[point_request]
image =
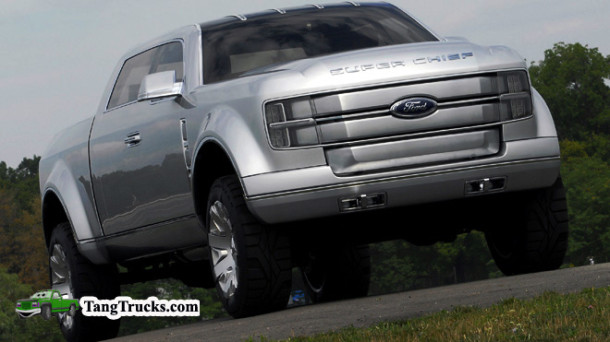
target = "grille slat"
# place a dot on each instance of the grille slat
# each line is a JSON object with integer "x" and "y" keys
{"x": 388, "y": 125}
{"x": 440, "y": 90}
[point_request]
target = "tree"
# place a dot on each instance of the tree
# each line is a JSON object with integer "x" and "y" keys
{"x": 23, "y": 181}
{"x": 587, "y": 179}
{"x": 571, "y": 78}
{"x": 22, "y": 246}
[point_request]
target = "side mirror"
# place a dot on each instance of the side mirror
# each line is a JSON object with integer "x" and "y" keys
{"x": 160, "y": 84}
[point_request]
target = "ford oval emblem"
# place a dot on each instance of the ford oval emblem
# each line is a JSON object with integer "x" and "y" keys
{"x": 413, "y": 107}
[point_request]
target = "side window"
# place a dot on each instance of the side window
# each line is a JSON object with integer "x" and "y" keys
{"x": 162, "y": 58}
{"x": 128, "y": 83}
{"x": 169, "y": 57}
{"x": 55, "y": 295}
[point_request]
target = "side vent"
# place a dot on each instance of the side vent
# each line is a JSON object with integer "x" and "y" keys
{"x": 185, "y": 147}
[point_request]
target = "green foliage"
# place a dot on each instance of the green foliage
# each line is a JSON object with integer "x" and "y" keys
{"x": 23, "y": 181}
{"x": 571, "y": 79}
{"x": 23, "y": 257}
{"x": 587, "y": 179}
{"x": 22, "y": 247}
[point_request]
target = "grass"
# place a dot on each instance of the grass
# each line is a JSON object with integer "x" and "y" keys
{"x": 551, "y": 317}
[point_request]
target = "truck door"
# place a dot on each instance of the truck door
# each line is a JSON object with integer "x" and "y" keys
{"x": 138, "y": 169}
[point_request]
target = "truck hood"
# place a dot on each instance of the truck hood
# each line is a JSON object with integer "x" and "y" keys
{"x": 27, "y": 300}
{"x": 397, "y": 63}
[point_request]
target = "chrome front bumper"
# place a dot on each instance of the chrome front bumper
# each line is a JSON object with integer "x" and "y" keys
{"x": 27, "y": 313}
{"x": 317, "y": 192}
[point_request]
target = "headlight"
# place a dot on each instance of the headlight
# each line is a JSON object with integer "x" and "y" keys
{"x": 515, "y": 96}
{"x": 290, "y": 123}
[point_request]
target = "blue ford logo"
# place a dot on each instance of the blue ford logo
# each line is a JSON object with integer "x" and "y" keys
{"x": 413, "y": 108}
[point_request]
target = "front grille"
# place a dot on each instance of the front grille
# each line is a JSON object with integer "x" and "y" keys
{"x": 365, "y": 114}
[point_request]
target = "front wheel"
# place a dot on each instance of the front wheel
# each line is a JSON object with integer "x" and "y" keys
{"x": 533, "y": 233}
{"x": 74, "y": 277}
{"x": 250, "y": 261}
{"x": 46, "y": 312}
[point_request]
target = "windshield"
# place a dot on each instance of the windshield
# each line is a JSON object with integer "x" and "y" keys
{"x": 234, "y": 48}
{"x": 41, "y": 295}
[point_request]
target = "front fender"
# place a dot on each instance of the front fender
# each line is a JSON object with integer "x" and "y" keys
{"x": 237, "y": 138}
{"x": 240, "y": 131}
{"x": 61, "y": 183}
{"x": 74, "y": 196}
{"x": 545, "y": 123}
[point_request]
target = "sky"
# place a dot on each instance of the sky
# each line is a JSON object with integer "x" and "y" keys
{"x": 56, "y": 56}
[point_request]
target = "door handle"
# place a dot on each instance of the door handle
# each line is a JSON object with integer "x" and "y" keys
{"x": 133, "y": 139}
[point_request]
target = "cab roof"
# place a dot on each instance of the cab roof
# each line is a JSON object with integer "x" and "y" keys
{"x": 289, "y": 11}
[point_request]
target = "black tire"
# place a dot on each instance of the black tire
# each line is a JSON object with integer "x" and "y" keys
{"x": 45, "y": 312}
{"x": 335, "y": 272}
{"x": 85, "y": 279}
{"x": 533, "y": 235}
{"x": 257, "y": 257}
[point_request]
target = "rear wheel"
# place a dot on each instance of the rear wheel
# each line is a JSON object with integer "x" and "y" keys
{"x": 250, "y": 261}
{"x": 533, "y": 235}
{"x": 336, "y": 272}
{"x": 75, "y": 277}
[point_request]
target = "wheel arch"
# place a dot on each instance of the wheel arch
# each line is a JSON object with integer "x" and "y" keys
{"x": 210, "y": 152}
{"x": 66, "y": 187}
{"x": 53, "y": 213}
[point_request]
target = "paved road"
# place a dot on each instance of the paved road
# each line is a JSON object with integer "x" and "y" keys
{"x": 308, "y": 320}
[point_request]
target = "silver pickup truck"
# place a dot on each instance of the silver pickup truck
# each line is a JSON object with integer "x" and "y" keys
{"x": 227, "y": 153}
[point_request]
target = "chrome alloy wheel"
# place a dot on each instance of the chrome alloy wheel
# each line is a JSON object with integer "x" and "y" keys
{"x": 223, "y": 250}
{"x": 61, "y": 279}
